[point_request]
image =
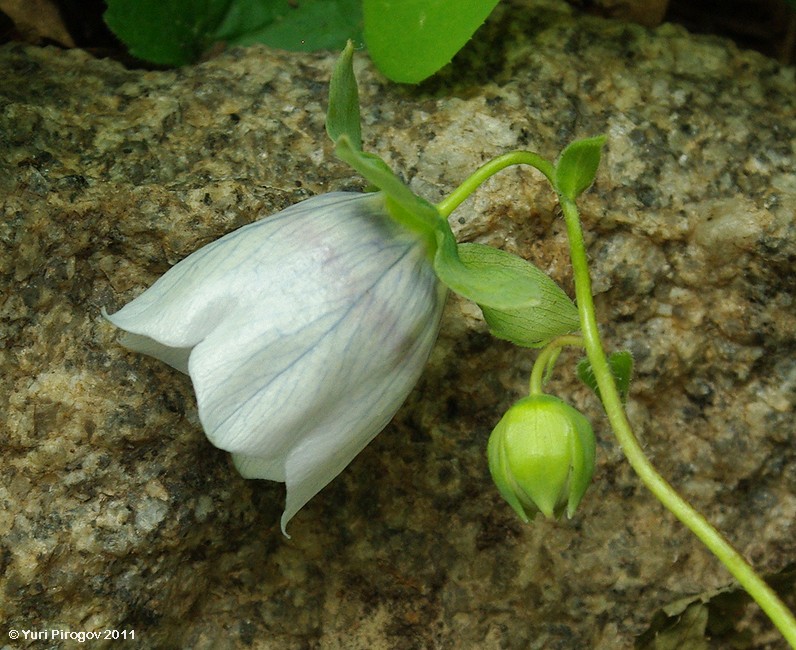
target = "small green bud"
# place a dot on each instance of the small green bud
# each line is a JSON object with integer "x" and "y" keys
{"x": 541, "y": 456}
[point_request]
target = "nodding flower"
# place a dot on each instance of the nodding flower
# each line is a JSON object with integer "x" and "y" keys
{"x": 303, "y": 334}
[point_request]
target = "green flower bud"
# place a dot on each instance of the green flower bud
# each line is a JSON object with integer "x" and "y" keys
{"x": 541, "y": 456}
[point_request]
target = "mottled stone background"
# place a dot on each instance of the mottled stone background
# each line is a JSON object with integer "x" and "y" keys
{"x": 115, "y": 512}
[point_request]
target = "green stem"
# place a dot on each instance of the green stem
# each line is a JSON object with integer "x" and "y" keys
{"x": 710, "y": 537}
{"x": 548, "y": 356}
{"x": 665, "y": 493}
{"x": 451, "y": 202}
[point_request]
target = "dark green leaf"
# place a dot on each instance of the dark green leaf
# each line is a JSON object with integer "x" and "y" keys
{"x": 342, "y": 117}
{"x": 247, "y": 16}
{"x": 410, "y": 40}
{"x": 177, "y": 32}
{"x": 168, "y": 33}
{"x": 302, "y": 26}
{"x": 621, "y": 365}
{"x": 577, "y": 166}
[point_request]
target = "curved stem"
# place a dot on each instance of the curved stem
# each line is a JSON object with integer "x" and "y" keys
{"x": 452, "y": 201}
{"x": 708, "y": 535}
{"x": 548, "y": 356}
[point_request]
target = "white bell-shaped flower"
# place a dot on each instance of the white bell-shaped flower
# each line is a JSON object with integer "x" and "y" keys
{"x": 303, "y": 334}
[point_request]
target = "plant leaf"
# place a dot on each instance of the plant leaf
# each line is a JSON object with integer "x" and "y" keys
{"x": 621, "y": 365}
{"x": 295, "y": 26}
{"x": 409, "y": 40}
{"x": 167, "y": 33}
{"x": 531, "y": 322}
{"x": 577, "y": 166}
{"x": 342, "y": 116}
{"x": 178, "y": 32}
{"x": 485, "y": 275}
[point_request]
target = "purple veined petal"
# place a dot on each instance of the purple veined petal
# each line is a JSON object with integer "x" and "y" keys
{"x": 303, "y": 333}
{"x": 192, "y": 297}
{"x": 311, "y": 420}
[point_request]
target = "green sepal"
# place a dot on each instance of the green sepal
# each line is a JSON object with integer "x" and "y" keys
{"x": 487, "y": 276}
{"x": 520, "y": 303}
{"x": 342, "y": 116}
{"x": 498, "y": 468}
{"x": 621, "y": 365}
{"x": 343, "y": 125}
{"x": 577, "y": 166}
{"x": 404, "y": 206}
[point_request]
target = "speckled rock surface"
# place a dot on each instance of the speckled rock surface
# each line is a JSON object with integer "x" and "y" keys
{"x": 116, "y": 513}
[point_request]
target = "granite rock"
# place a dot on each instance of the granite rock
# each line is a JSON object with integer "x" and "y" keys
{"x": 118, "y": 514}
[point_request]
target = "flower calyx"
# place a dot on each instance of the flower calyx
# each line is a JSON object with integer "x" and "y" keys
{"x": 541, "y": 457}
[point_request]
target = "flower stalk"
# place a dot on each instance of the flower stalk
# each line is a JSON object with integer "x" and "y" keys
{"x": 547, "y": 357}
{"x": 612, "y": 402}
{"x": 741, "y": 570}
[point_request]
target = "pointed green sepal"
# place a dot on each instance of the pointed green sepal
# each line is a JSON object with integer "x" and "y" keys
{"x": 487, "y": 276}
{"x": 343, "y": 125}
{"x": 408, "y": 209}
{"x": 621, "y": 365}
{"x": 577, "y": 166}
{"x": 342, "y": 116}
{"x": 520, "y": 303}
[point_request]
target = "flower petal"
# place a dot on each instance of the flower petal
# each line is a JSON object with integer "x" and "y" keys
{"x": 296, "y": 398}
{"x": 303, "y": 334}
{"x": 195, "y": 295}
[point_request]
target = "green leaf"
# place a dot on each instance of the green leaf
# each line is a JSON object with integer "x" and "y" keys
{"x": 621, "y": 365}
{"x": 298, "y": 26}
{"x": 342, "y": 116}
{"x": 530, "y": 325}
{"x": 178, "y": 32}
{"x": 245, "y": 17}
{"x": 409, "y": 40}
{"x": 577, "y": 166}
{"x": 168, "y": 33}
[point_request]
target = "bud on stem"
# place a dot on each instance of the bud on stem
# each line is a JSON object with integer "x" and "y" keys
{"x": 541, "y": 456}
